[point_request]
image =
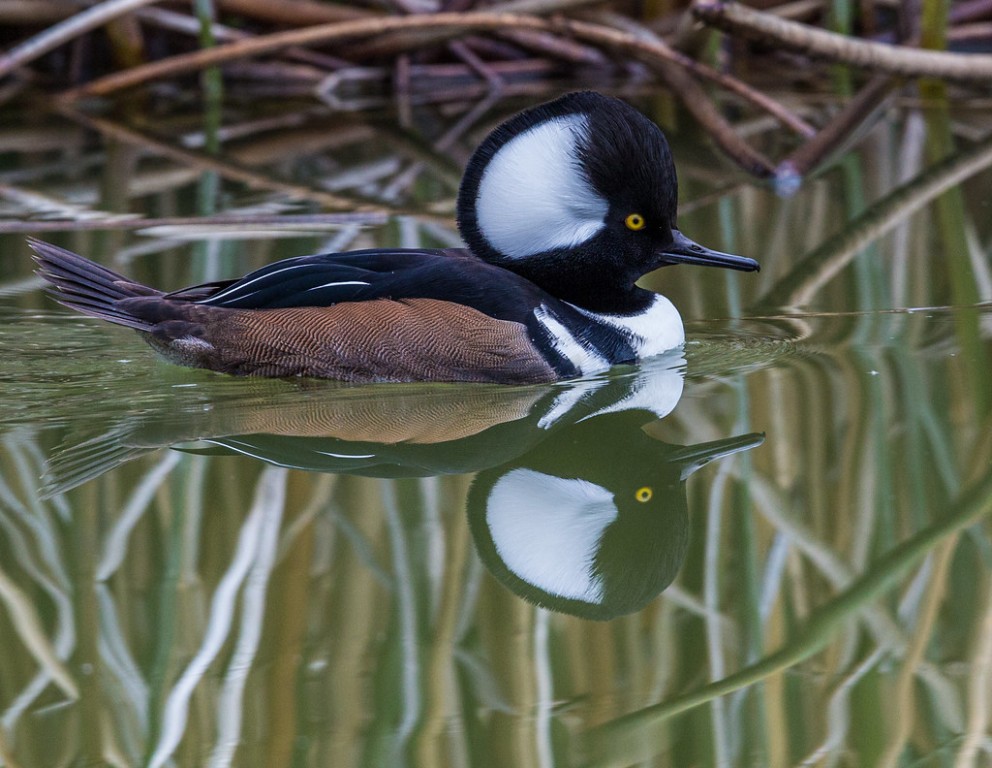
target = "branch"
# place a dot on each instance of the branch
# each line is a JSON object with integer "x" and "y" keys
{"x": 53, "y": 37}
{"x": 319, "y": 34}
{"x": 858, "y": 111}
{"x": 894, "y": 59}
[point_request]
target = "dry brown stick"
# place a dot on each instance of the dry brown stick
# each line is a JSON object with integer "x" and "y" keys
{"x": 319, "y": 34}
{"x": 393, "y": 43}
{"x": 894, "y": 59}
{"x": 698, "y": 102}
{"x": 970, "y": 10}
{"x": 732, "y": 84}
{"x": 969, "y": 32}
{"x": 60, "y": 33}
{"x": 555, "y": 47}
{"x": 295, "y": 13}
{"x": 857, "y": 111}
{"x": 302, "y": 223}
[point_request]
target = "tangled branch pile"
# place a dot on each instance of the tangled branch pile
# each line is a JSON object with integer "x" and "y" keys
{"x": 421, "y": 51}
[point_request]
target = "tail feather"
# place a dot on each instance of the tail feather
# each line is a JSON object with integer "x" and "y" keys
{"x": 88, "y": 287}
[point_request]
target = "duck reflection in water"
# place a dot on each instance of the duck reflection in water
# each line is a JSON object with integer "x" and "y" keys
{"x": 569, "y": 531}
{"x": 574, "y": 507}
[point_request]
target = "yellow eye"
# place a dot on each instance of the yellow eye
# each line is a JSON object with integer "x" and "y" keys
{"x": 644, "y": 494}
{"x": 635, "y": 221}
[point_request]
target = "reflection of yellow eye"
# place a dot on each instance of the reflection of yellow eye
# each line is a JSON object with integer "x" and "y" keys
{"x": 635, "y": 221}
{"x": 644, "y": 494}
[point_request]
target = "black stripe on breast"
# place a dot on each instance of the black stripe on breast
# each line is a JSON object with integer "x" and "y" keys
{"x": 611, "y": 343}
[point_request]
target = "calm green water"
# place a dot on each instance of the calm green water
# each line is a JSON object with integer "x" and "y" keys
{"x": 771, "y": 549}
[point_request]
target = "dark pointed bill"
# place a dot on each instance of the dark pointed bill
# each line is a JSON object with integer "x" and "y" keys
{"x": 686, "y": 251}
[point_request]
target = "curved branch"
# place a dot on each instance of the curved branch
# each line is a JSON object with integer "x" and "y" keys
{"x": 320, "y": 34}
{"x": 655, "y": 53}
{"x": 895, "y": 59}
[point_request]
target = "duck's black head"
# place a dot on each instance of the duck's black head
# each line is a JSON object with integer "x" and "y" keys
{"x": 579, "y": 195}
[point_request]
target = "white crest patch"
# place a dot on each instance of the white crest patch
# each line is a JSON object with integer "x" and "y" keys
{"x": 547, "y": 530}
{"x": 655, "y": 330}
{"x": 585, "y": 359}
{"x": 533, "y": 195}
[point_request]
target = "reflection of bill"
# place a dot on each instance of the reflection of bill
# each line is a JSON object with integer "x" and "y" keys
{"x": 594, "y": 521}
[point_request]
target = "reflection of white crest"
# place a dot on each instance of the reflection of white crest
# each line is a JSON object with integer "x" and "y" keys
{"x": 547, "y": 530}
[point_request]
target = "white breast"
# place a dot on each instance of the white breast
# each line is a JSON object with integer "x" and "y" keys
{"x": 651, "y": 332}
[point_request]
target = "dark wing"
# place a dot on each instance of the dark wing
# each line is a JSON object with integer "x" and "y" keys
{"x": 328, "y": 279}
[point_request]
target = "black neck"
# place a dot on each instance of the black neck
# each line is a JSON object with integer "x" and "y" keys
{"x": 601, "y": 293}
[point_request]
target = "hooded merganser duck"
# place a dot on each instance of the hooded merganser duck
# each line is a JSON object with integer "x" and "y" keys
{"x": 563, "y": 207}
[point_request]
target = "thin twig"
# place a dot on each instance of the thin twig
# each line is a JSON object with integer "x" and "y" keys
{"x": 296, "y": 13}
{"x": 297, "y": 223}
{"x": 894, "y": 59}
{"x": 732, "y": 84}
{"x": 63, "y": 32}
{"x": 322, "y": 34}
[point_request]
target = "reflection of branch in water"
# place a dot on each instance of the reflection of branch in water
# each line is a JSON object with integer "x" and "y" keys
{"x": 251, "y": 566}
{"x": 616, "y": 738}
{"x": 820, "y": 265}
{"x": 842, "y": 129}
{"x": 204, "y": 162}
{"x": 258, "y": 143}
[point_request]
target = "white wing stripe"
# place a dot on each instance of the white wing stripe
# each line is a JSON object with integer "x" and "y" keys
{"x": 345, "y": 282}
{"x": 241, "y": 286}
